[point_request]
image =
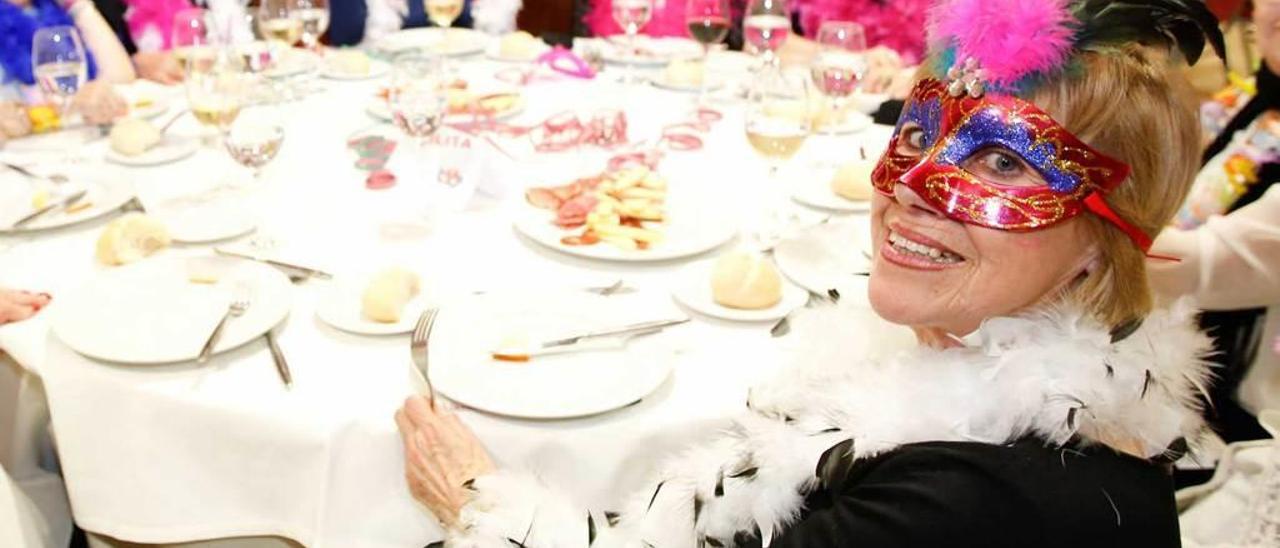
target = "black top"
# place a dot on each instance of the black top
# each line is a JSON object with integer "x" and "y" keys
{"x": 979, "y": 495}
{"x": 113, "y": 12}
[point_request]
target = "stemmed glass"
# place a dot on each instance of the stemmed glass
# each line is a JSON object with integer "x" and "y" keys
{"x": 708, "y": 22}
{"x": 254, "y": 139}
{"x": 217, "y": 90}
{"x": 778, "y": 120}
{"x": 838, "y": 67}
{"x": 191, "y": 38}
{"x": 277, "y": 23}
{"x": 632, "y": 15}
{"x": 766, "y": 27}
{"x": 59, "y": 62}
{"x": 314, "y": 16}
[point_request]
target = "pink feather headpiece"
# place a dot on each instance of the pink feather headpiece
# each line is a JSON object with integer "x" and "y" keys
{"x": 1008, "y": 40}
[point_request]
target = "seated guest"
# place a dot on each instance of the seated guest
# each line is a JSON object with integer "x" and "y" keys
{"x": 1228, "y": 237}
{"x": 1047, "y": 395}
{"x": 359, "y": 21}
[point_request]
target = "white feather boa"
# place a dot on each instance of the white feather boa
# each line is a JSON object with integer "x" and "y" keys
{"x": 1054, "y": 374}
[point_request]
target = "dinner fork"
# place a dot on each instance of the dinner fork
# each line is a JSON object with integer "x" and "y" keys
{"x": 56, "y": 178}
{"x": 234, "y": 310}
{"x": 418, "y": 348}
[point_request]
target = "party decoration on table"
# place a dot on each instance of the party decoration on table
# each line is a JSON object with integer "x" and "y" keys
{"x": 745, "y": 281}
{"x": 687, "y": 135}
{"x": 1228, "y": 176}
{"x": 134, "y": 136}
{"x": 131, "y": 238}
{"x": 621, "y": 208}
{"x": 384, "y": 298}
{"x": 372, "y": 154}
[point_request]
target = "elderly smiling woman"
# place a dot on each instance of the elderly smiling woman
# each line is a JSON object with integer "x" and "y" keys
{"x": 1043, "y": 143}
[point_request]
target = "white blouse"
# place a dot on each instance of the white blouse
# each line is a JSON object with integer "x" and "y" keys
{"x": 1232, "y": 262}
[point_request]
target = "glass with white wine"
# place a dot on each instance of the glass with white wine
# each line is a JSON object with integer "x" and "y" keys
{"x": 778, "y": 119}
{"x": 443, "y": 13}
{"x": 59, "y": 63}
{"x": 216, "y": 92}
{"x": 277, "y": 23}
{"x": 314, "y": 16}
{"x": 191, "y": 38}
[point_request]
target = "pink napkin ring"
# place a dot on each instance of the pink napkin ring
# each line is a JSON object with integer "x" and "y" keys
{"x": 566, "y": 62}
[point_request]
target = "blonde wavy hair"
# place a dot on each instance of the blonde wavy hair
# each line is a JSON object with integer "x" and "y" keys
{"x": 1134, "y": 104}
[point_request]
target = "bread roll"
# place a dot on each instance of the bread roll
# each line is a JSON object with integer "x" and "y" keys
{"x": 385, "y": 296}
{"x": 519, "y": 45}
{"x": 130, "y": 238}
{"x": 853, "y": 180}
{"x": 349, "y": 61}
{"x": 684, "y": 73}
{"x": 133, "y": 136}
{"x": 745, "y": 281}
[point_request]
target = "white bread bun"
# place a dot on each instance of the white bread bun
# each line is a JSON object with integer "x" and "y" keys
{"x": 130, "y": 238}
{"x": 349, "y": 61}
{"x": 745, "y": 281}
{"x": 387, "y": 293}
{"x": 853, "y": 180}
{"x": 683, "y": 73}
{"x": 133, "y": 136}
{"x": 520, "y": 45}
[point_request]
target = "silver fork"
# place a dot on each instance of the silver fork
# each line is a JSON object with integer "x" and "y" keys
{"x": 234, "y": 310}
{"x": 418, "y": 348}
{"x": 56, "y": 178}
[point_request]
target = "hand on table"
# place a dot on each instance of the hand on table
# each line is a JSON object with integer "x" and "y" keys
{"x": 20, "y": 305}
{"x": 13, "y": 120}
{"x": 886, "y": 73}
{"x": 158, "y": 66}
{"x": 440, "y": 455}
{"x": 99, "y": 103}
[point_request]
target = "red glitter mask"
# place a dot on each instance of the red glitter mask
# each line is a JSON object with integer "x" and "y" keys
{"x": 952, "y": 132}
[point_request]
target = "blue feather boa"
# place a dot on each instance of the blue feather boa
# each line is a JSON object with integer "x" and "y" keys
{"x": 18, "y": 27}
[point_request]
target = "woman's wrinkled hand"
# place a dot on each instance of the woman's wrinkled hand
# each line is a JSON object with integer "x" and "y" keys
{"x": 99, "y": 103}
{"x": 13, "y": 120}
{"x": 158, "y": 66}
{"x": 441, "y": 457}
{"x": 19, "y": 305}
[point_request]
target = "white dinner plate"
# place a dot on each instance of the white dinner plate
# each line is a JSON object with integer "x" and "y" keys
{"x": 654, "y": 52}
{"x": 814, "y": 190}
{"x": 146, "y": 99}
{"x": 459, "y": 42}
{"x": 150, "y": 313}
{"x": 696, "y": 223}
{"x": 610, "y": 376}
{"x": 210, "y": 216}
{"x": 660, "y": 81}
{"x": 494, "y": 53}
{"x": 170, "y": 149}
{"x": 377, "y": 69}
{"x": 16, "y": 193}
{"x": 693, "y": 289}
{"x": 378, "y": 108}
{"x": 828, "y": 256}
{"x": 341, "y": 307}
{"x": 292, "y": 63}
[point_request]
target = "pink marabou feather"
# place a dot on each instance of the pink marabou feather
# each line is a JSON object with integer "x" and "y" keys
{"x": 1010, "y": 39}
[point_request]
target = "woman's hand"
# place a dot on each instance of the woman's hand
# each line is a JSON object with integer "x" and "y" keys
{"x": 20, "y": 305}
{"x": 99, "y": 103}
{"x": 883, "y": 66}
{"x": 440, "y": 455}
{"x": 13, "y": 120}
{"x": 158, "y": 66}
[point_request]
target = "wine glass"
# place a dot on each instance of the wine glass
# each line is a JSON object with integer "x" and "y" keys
{"x": 632, "y": 15}
{"x": 191, "y": 38}
{"x": 314, "y": 15}
{"x": 766, "y": 27}
{"x": 708, "y": 22}
{"x": 59, "y": 63}
{"x": 277, "y": 24}
{"x": 254, "y": 139}
{"x": 838, "y": 67}
{"x": 778, "y": 117}
{"x": 216, "y": 91}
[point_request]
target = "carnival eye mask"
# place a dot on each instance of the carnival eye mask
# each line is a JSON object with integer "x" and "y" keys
{"x": 959, "y": 154}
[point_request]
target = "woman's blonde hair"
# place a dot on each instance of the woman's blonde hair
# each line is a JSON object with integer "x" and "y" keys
{"x": 1134, "y": 105}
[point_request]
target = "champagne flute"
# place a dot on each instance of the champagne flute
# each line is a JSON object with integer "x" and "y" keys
{"x": 838, "y": 67}
{"x": 708, "y": 22}
{"x": 766, "y": 27}
{"x": 778, "y": 121}
{"x": 190, "y": 38}
{"x": 314, "y": 15}
{"x": 59, "y": 63}
{"x": 632, "y": 15}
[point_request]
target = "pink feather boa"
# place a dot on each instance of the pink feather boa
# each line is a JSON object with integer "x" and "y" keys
{"x": 896, "y": 24}
{"x": 151, "y": 21}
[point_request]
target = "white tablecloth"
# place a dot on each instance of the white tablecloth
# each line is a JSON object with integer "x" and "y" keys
{"x": 174, "y": 453}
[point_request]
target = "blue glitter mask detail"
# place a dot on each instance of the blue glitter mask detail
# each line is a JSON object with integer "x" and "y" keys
{"x": 986, "y": 128}
{"x": 927, "y": 115}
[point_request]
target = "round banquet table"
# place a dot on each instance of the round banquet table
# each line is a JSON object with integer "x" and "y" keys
{"x": 159, "y": 454}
